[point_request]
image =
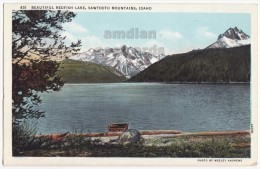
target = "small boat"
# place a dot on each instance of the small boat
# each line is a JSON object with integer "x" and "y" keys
{"x": 117, "y": 127}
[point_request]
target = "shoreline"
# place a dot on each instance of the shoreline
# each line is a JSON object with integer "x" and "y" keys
{"x": 152, "y": 133}
{"x": 224, "y": 144}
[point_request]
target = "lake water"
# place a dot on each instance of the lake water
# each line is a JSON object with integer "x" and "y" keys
{"x": 147, "y": 106}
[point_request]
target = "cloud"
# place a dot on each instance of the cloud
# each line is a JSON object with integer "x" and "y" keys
{"x": 74, "y": 27}
{"x": 171, "y": 35}
{"x": 93, "y": 41}
{"x": 70, "y": 37}
{"x": 150, "y": 43}
{"x": 88, "y": 41}
{"x": 204, "y": 32}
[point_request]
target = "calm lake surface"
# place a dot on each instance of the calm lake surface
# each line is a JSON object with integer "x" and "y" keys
{"x": 147, "y": 106}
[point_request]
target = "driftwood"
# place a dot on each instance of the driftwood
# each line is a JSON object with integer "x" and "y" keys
{"x": 109, "y": 134}
{"x": 57, "y": 137}
{"x": 173, "y": 133}
{"x": 156, "y": 132}
{"x": 212, "y": 133}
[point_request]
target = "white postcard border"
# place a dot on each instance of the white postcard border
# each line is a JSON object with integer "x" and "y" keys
{"x": 202, "y": 8}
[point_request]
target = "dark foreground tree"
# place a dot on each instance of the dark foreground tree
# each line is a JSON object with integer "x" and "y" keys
{"x": 36, "y": 39}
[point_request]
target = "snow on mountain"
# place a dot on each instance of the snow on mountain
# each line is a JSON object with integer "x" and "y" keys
{"x": 127, "y": 60}
{"x": 233, "y": 37}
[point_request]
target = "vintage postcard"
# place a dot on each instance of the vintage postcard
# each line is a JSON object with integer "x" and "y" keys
{"x": 130, "y": 84}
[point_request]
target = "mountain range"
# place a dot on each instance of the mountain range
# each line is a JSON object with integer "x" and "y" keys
{"x": 226, "y": 60}
{"x": 128, "y": 60}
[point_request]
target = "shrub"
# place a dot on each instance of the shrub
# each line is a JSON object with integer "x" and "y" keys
{"x": 22, "y": 135}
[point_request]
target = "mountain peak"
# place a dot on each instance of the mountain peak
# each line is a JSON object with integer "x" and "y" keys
{"x": 91, "y": 50}
{"x": 124, "y": 46}
{"x": 234, "y": 33}
{"x": 232, "y": 37}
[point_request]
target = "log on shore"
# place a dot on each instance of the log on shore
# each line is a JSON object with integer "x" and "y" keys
{"x": 156, "y": 132}
{"x": 173, "y": 133}
{"x": 110, "y": 134}
{"x": 213, "y": 133}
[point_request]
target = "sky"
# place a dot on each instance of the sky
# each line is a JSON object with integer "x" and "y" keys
{"x": 175, "y": 32}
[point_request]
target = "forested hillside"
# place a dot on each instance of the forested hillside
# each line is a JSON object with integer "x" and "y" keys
{"x": 208, "y": 65}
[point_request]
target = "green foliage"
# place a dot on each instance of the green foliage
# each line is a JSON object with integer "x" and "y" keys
{"x": 76, "y": 141}
{"x": 22, "y": 135}
{"x": 72, "y": 71}
{"x": 27, "y": 81}
{"x": 208, "y": 65}
{"x": 36, "y": 38}
{"x": 37, "y": 32}
{"x": 215, "y": 148}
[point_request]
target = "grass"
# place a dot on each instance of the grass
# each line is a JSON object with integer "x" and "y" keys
{"x": 191, "y": 146}
{"x": 22, "y": 134}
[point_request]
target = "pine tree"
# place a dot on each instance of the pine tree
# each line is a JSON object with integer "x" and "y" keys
{"x": 36, "y": 38}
